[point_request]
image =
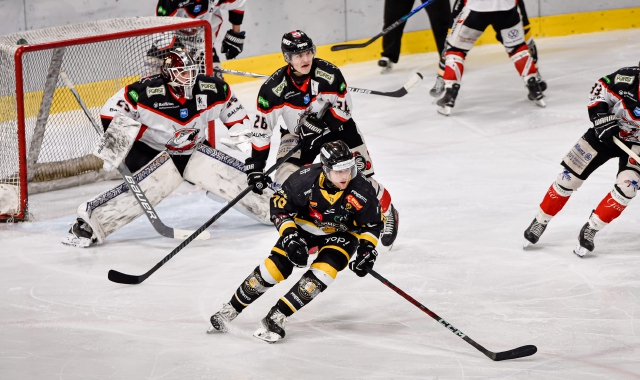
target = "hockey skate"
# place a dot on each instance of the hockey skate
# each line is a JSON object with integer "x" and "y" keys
{"x": 80, "y": 235}
{"x": 386, "y": 65}
{"x": 390, "y": 231}
{"x": 541, "y": 82}
{"x": 533, "y": 233}
{"x": 220, "y": 320}
{"x": 271, "y": 327}
{"x": 585, "y": 240}
{"x": 446, "y": 103}
{"x": 438, "y": 87}
{"x": 535, "y": 93}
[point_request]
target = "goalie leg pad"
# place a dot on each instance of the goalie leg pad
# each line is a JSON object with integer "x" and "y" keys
{"x": 115, "y": 208}
{"x": 224, "y": 176}
{"x": 9, "y": 199}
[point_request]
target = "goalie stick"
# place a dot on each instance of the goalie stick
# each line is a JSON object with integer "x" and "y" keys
{"x": 130, "y": 181}
{"x": 384, "y": 31}
{"x": 404, "y": 90}
{"x": 515, "y": 353}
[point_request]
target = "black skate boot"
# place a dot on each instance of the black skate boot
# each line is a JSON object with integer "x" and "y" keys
{"x": 390, "y": 231}
{"x": 446, "y": 103}
{"x": 585, "y": 239}
{"x": 533, "y": 233}
{"x": 80, "y": 235}
{"x": 386, "y": 65}
{"x": 541, "y": 82}
{"x": 271, "y": 327}
{"x": 438, "y": 87}
{"x": 535, "y": 93}
{"x": 220, "y": 320}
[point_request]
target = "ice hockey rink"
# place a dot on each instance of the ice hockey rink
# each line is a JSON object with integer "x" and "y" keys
{"x": 466, "y": 187}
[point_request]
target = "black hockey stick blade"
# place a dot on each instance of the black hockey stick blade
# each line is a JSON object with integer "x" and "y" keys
{"x": 404, "y": 90}
{"x": 356, "y": 46}
{"x": 122, "y": 278}
{"x": 516, "y": 353}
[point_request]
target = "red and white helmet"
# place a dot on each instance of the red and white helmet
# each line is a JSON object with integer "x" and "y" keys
{"x": 180, "y": 72}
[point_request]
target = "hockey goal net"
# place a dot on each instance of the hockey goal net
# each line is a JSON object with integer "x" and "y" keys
{"x": 45, "y": 139}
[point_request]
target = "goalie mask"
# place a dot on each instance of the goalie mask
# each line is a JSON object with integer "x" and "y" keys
{"x": 338, "y": 163}
{"x": 180, "y": 71}
{"x": 296, "y": 42}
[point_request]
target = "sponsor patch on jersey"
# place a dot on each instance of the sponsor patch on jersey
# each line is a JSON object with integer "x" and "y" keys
{"x": 201, "y": 102}
{"x": 325, "y": 75}
{"x": 343, "y": 86}
{"x": 162, "y": 11}
{"x": 290, "y": 94}
{"x": 197, "y": 8}
{"x": 134, "y": 95}
{"x": 315, "y": 214}
{"x": 314, "y": 87}
{"x": 353, "y": 201}
{"x": 623, "y": 79}
{"x": 307, "y": 98}
{"x": 606, "y": 79}
{"x": 263, "y": 102}
{"x": 279, "y": 88}
{"x": 208, "y": 87}
{"x": 580, "y": 155}
{"x": 155, "y": 91}
{"x": 636, "y": 111}
{"x": 184, "y": 112}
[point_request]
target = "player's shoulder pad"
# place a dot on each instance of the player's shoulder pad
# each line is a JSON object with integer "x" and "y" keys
{"x": 362, "y": 189}
{"x": 145, "y": 88}
{"x": 212, "y": 86}
{"x": 272, "y": 90}
{"x": 301, "y": 181}
{"x": 327, "y": 75}
{"x": 624, "y": 76}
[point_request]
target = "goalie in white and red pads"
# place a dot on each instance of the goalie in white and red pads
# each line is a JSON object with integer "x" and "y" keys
{"x": 158, "y": 126}
{"x": 614, "y": 111}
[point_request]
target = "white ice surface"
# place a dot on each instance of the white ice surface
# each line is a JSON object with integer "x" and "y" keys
{"x": 466, "y": 187}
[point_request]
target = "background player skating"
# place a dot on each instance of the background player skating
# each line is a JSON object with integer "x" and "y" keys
{"x": 331, "y": 206}
{"x": 173, "y": 110}
{"x": 313, "y": 93}
{"x": 469, "y": 24}
{"x": 614, "y": 111}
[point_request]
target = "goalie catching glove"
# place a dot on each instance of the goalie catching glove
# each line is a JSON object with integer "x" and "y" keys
{"x": 606, "y": 127}
{"x": 296, "y": 247}
{"x": 365, "y": 258}
{"x": 232, "y": 44}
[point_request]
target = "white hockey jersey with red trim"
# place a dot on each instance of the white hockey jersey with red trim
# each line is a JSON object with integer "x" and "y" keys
{"x": 490, "y": 5}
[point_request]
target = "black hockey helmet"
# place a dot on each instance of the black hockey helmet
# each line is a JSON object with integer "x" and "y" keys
{"x": 337, "y": 156}
{"x": 180, "y": 72}
{"x": 296, "y": 42}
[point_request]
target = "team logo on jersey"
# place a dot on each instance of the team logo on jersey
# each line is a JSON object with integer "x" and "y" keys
{"x": 636, "y": 111}
{"x": 184, "y": 112}
{"x": 623, "y": 79}
{"x": 309, "y": 288}
{"x": 155, "y": 91}
{"x": 325, "y": 75}
{"x": 279, "y": 88}
{"x": 201, "y": 102}
{"x": 306, "y": 99}
{"x": 197, "y": 8}
{"x": 183, "y": 139}
{"x": 208, "y": 86}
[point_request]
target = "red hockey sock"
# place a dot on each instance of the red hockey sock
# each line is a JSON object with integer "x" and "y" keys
{"x": 609, "y": 209}
{"x": 523, "y": 62}
{"x": 454, "y": 66}
{"x": 553, "y": 202}
{"x": 385, "y": 201}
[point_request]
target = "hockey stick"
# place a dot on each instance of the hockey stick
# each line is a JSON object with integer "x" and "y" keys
{"x": 626, "y": 149}
{"x": 384, "y": 31}
{"x": 404, "y": 90}
{"x": 131, "y": 182}
{"x": 515, "y": 353}
{"x": 128, "y": 279}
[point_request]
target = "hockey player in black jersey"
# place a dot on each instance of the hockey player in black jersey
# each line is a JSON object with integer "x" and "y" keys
{"x": 172, "y": 111}
{"x": 312, "y": 93}
{"x": 614, "y": 111}
{"x": 330, "y": 206}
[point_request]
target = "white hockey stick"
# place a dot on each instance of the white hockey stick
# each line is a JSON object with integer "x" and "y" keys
{"x": 133, "y": 185}
{"x": 626, "y": 149}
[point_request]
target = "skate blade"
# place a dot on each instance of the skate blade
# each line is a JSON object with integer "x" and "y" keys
{"x": 580, "y": 251}
{"x": 526, "y": 244}
{"x": 74, "y": 241}
{"x": 217, "y": 327}
{"x": 266, "y": 335}
{"x": 541, "y": 103}
{"x": 444, "y": 110}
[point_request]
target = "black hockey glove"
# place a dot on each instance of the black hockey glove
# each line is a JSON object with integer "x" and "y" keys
{"x": 311, "y": 131}
{"x": 296, "y": 247}
{"x": 606, "y": 127}
{"x": 365, "y": 258}
{"x": 256, "y": 176}
{"x": 232, "y": 44}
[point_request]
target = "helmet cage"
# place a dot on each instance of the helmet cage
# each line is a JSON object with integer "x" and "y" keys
{"x": 181, "y": 72}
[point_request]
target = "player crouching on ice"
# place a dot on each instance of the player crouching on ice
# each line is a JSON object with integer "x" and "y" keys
{"x": 159, "y": 126}
{"x": 311, "y": 96}
{"x": 330, "y": 205}
{"x": 614, "y": 111}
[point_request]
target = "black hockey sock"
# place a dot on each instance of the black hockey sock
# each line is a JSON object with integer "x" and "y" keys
{"x": 250, "y": 290}
{"x": 301, "y": 294}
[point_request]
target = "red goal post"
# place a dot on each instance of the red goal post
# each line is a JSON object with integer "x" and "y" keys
{"x": 45, "y": 139}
